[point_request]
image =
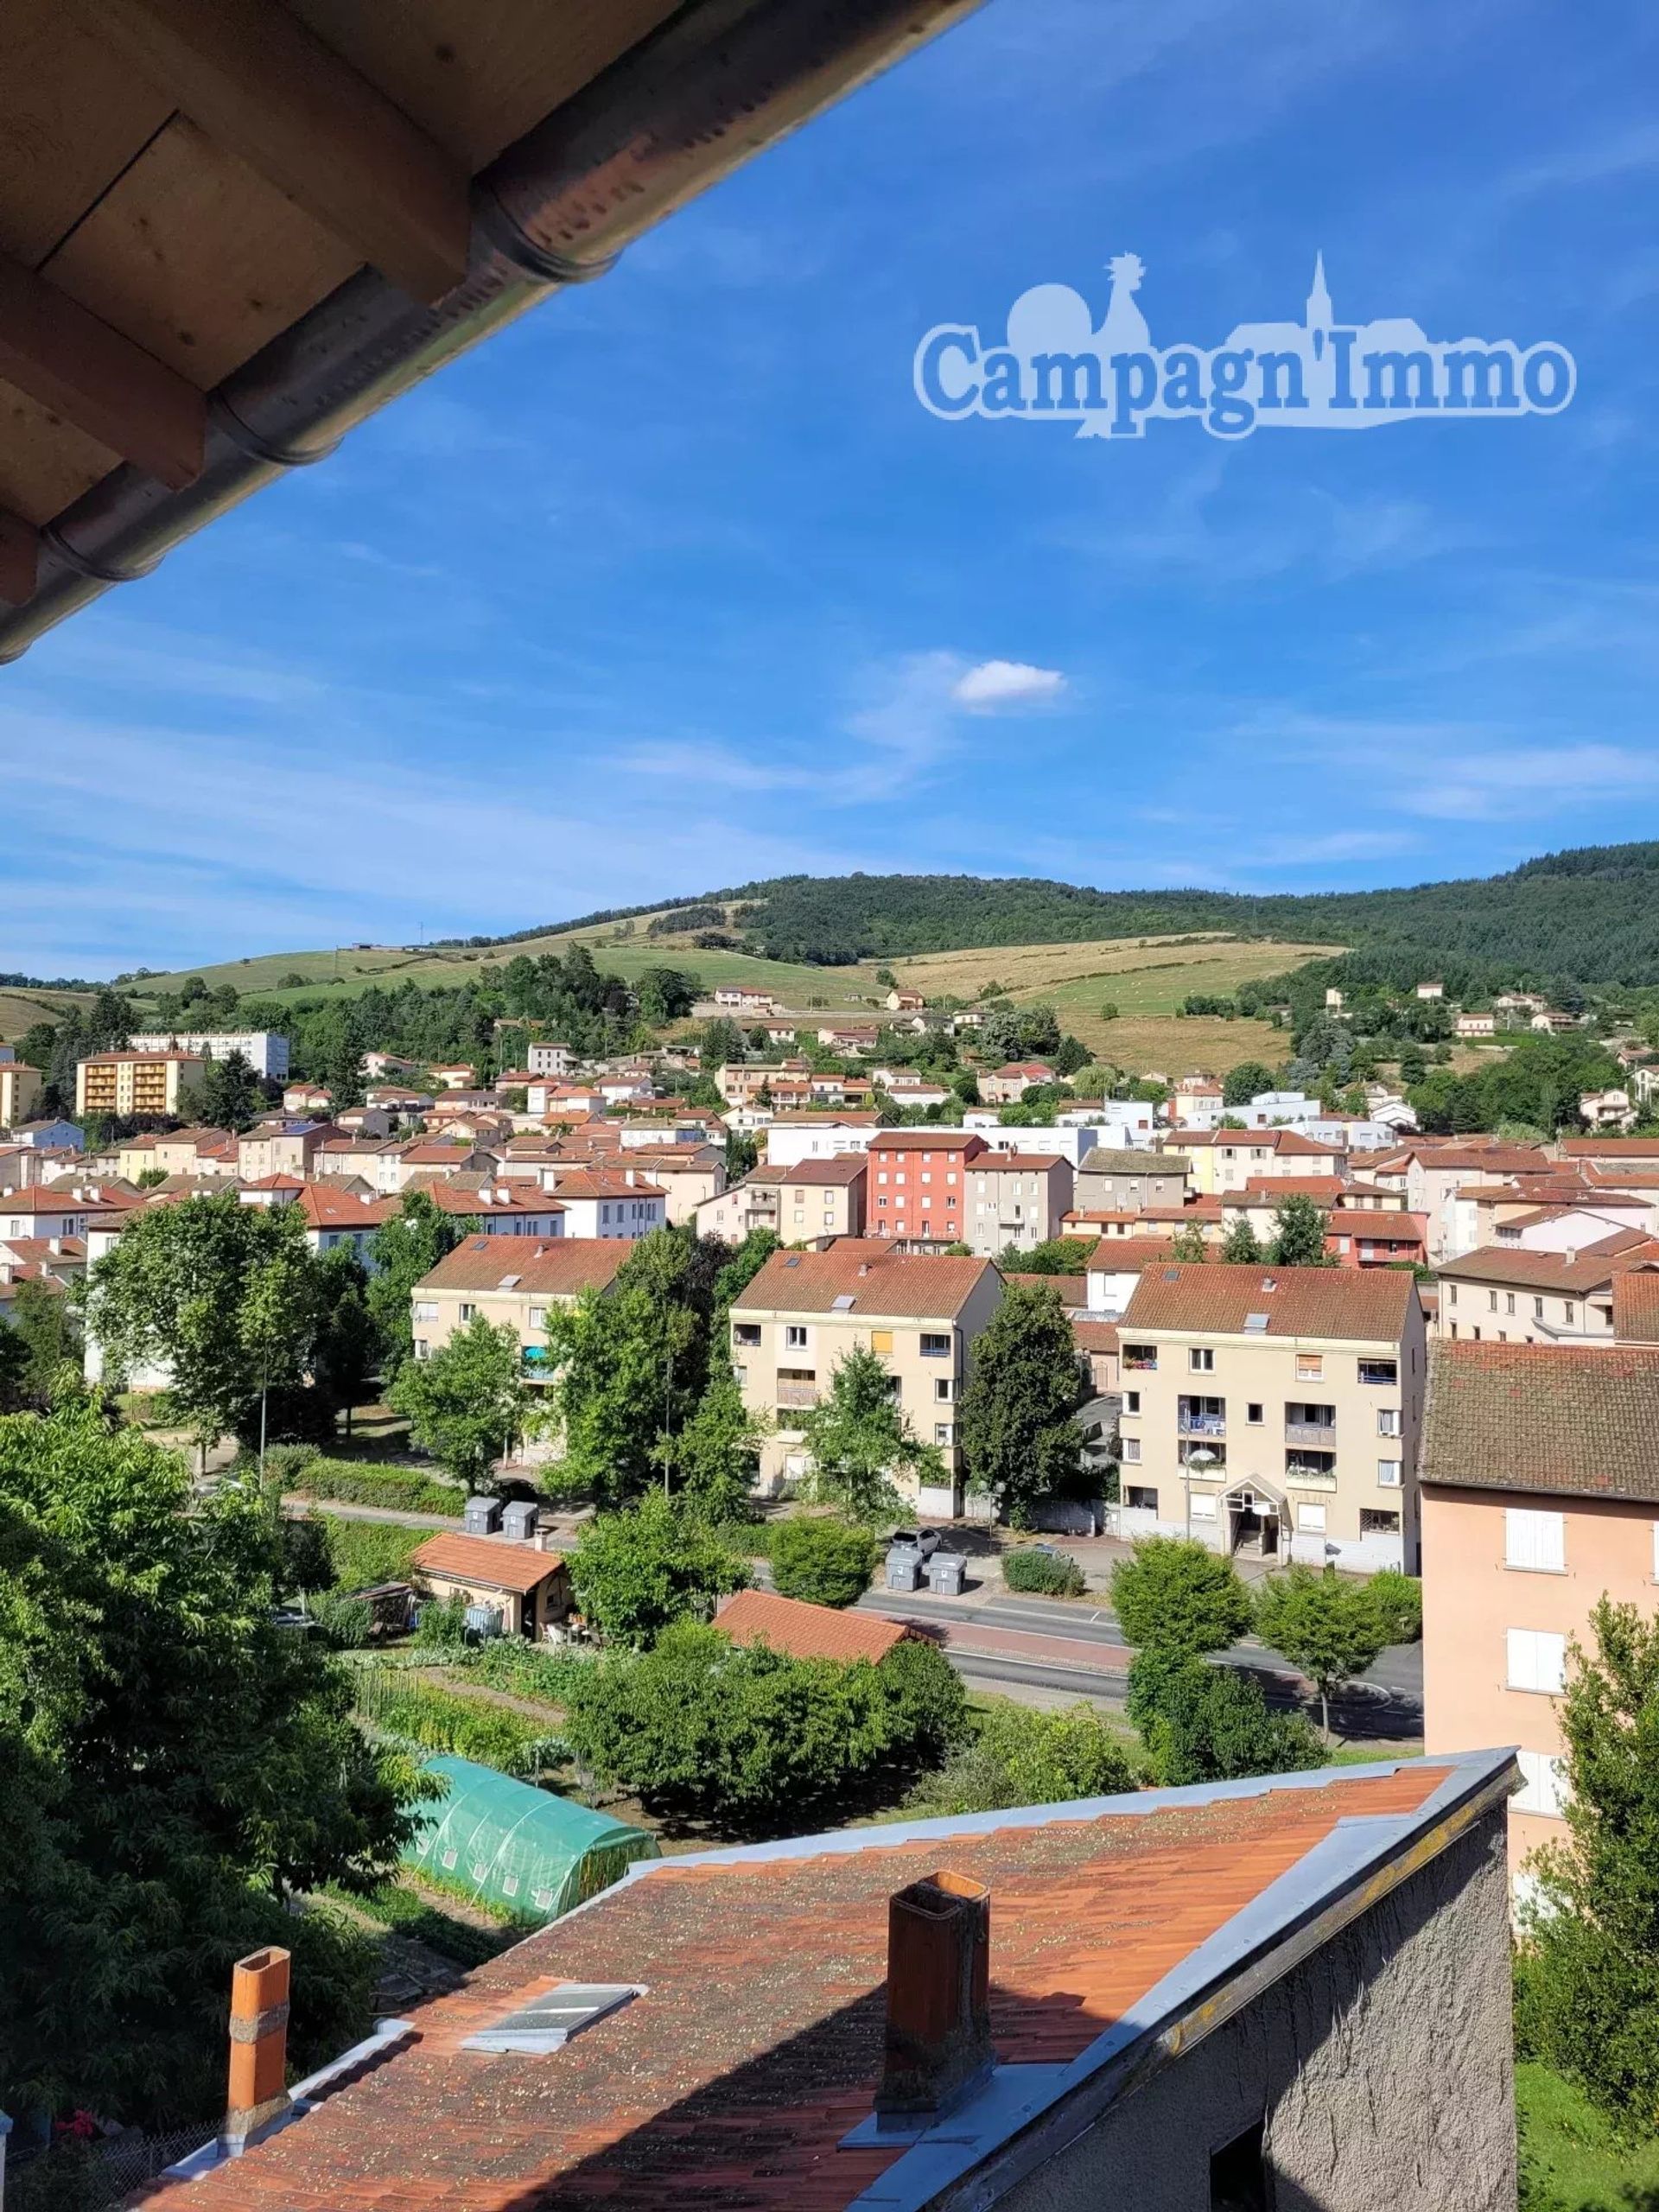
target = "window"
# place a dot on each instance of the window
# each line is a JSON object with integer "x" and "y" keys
{"x": 941, "y": 1387}
{"x": 1375, "y": 1523}
{"x": 1535, "y": 1543}
{"x": 1492, "y": 1302}
{"x": 1388, "y": 1420}
{"x": 1253, "y": 1414}
{"x": 1132, "y": 1405}
{"x": 469, "y": 1313}
{"x": 1388, "y": 1473}
{"x": 422, "y": 1350}
{"x": 1537, "y": 1309}
{"x": 1544, "y": 1787}
{"x": 1204, "y": 1508}
{"x": 1570, "y": 1310}
{"x": 951, "y": 1176}
{"x": 880, "y": 1339}
{"x": 941, "y": 1432}
{"x": 1509, "y": 1302}
{"x": 538, "y": 1317}
{"x": 1201, "y": 1360}
{"x": 935, "y": 1344}
{"x": 1140, "y": 1359}
{"x": 425, "y": 1310}
{"x": 1379, "y": 1370}
{"x": 1130, "y": 1448}
{"x": 795, "y": 1336}
{"x": 1537, "y": 1659}
{"x": 1311, "y": 1518}
{"x": 1310, "y": 1367}
{"x": 1238, "y": 2174}
{"x": 927, "y": 1178}
{"x": 1451, "y": 1293}
{"x": 1142, "y": 1501}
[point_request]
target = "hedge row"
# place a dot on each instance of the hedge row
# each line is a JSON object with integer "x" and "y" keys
{"x": 348, "y": 1482}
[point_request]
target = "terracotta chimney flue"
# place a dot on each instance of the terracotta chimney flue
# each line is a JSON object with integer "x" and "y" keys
{"x": 259, "y": 2093}
{"x": 938, "y": 2032}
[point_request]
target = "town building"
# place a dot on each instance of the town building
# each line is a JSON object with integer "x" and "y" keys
{"x": 265, "y": 1053}
{"x": 512, "y": 1287}
{"x": 1196, "y": 1101}
{"x": 135, "y": 1083}
{"x": 744, "y": 998}
{"x": 1472, "y": 1026}
{"x": 849, "y": 1038}
{"x": 1226, "y": 1160}
{"x": 818, "y": 1199}
{"x": 805, "y": 1310}
{"x": 1007, "y": 1085}
{"x": 20, "y": 1086}
{"x": 1019, "y": 1199}
{"x": 807, "y": 1631}
{"x": 524, "y": 1586}
{"x": 901, "y": 1000}
{"x": 379, "y": 1066}
{"x": 791, "y": 1137}
{"x": 500, "y": 1207}
{"x": 1186, "y": 2000}
{"x": 1607, "y": 1110}
{"x": 603, "y": 1202}
{"x": 1503, "y": 1294}
{"x": 917, "y": 1185}
{"x": 752, "y": 1204}
{"x": 549, "y": 1058}
{"x": 1539, "y": 1496}
{"x": 1274, "y": 1411}
{"x": 279, "y": 1147}
{"x": 1109, "y": 1181}
{"x": 463, "y": 1076}
{"x": 687, "y": 1174}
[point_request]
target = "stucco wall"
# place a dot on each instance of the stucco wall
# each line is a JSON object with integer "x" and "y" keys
{"x": 1383, "y": 2066}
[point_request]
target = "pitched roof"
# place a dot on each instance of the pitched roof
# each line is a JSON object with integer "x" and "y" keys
{"x": 1020, "y": 1163}
{"x": 563, "y": 1267}
{"x": 756, "y": 2043}
{"x": 498, "y": 1560}
{"x": 325, "y": 1205}
{"x": 1609, "y": 1147}
{"x": 1636, "y": 1307}
{"x": 1581, "y": 1419}
{"x": 1104, "y": 1160}
{"x": 1220, "y": 1298}
{"x": 870, "y": 1276}
{"x": 1117, "y": 1255}
{"x": 1259, "y": 1189}
{"x": 1587, "y": 1269}
{"x": 475, "y": 1201}
{"x": 1291, "y": 1144}
{"x": 939, "y": 1139}
{"x": 1091, "y": 1335}
{"x": 606, "y": 1183}
{"x": 807, "y": 1631}
{"x": 848, "y": 1167}
{"x": 1073, "y": 1290}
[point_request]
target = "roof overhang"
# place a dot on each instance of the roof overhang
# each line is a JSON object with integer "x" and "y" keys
{"x": 241, "y": 226}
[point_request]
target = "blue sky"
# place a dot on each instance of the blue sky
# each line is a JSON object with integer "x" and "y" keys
{"x": 675, "y": 583}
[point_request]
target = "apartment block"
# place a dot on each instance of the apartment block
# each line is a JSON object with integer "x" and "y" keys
{"x": 20, "y": 1086}
{"x": 1274, "y": 1412}
{"x": 1506, "y": 1294}
{"x": 806, "y": 1311}
{"x": 265, "y": 1053}
{"x": 1015, "y": 1197}
{"x": 1540, "y": 1495}
{"x": 1111, "y": 1181}
{"x": 818, "y": 1199}
{"x": 511, "y": 1287}
{"x": 135, "y": 1083}
{"x": 918, "y": 1187}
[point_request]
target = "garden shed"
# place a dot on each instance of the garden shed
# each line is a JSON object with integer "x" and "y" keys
{"x": 519, "y": 1847}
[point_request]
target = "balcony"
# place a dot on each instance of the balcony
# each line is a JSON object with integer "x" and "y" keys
{"x": 797, "y": 1391}
{"x": 1321, "y": 1434}
{"x": 1383, "y": 1372}
{"x": 1190, "y": 1423}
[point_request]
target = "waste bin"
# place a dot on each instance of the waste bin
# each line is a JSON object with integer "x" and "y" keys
{"x": 904, "y": 1568}
{"x": 945, "y": 1571}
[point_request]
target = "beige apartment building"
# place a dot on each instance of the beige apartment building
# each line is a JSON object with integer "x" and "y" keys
{"x": 135, "y": 1083}
{"x": 1505, "y": 1293}
{"x": 818, "y": 1199}
{"x": 20, "y": 1086}
{"x": 1111, "y": 1181}
{"x": 1226, "y": 1160}
{"x": 1015, "y": 1198}
{"x": 805, "y": 1310}
{"x": 750, "y": 1204}
{"x": 1274, "y": 1412}
{"x": 512, "y": 1287}
{"x": 1540, "y": 1494}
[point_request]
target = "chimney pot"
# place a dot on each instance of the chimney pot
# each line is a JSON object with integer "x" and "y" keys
{"x": 938, "y": 2046}
{"x": 258, "y": 2087}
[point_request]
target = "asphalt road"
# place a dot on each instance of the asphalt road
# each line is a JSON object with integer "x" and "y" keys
{"x": 1078, "y": 1649}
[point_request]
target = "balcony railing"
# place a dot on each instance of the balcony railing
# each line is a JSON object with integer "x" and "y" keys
{"x": 798, "y": 1394}
{"x": 1320, "y": 1433}
{"x": 1191, "y": 1424}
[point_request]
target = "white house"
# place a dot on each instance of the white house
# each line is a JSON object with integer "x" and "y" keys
{"x": 611, "y": 1202}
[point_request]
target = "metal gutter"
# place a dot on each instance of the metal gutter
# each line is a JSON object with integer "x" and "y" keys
{"x": 718, "y": 82}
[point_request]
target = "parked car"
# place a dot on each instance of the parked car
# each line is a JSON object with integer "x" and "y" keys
{"x": 924, "y": 1541}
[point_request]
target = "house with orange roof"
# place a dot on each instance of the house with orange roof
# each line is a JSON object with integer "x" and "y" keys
{"x": 1504, "y": 1293}
{"x": 1007, "y": 1085}
{"x": 805, "y": 1312}
{"x": 1110, "y": 2002}
{"x": 512, "y": 1286}
{"x": 806, "y": 1632}
{"x": 1274, "y": 1411}
{"x": 1226, "y": 1160}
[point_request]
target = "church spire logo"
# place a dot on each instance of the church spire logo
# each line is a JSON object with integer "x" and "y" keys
{"x": 1054, "y": 364}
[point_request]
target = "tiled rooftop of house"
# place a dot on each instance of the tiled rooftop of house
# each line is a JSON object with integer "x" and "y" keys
{"x": 498, "y": 1561}
{"x": 1577, "y": 1418}
{"x": 841, "y": 1174}
{"x": 807, "y": 1631}
{"x": 862, "y": 1275}
{"x": 1226, "y": 1299}
{"x": 1587, "y": 1269}
{"x": 755, "y": 2042}
{"x": 1636, "y": 1307}
{"x": 562, "y": 1267}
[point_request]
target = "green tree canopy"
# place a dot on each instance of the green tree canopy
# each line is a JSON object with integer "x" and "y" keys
{"x": 1329, "y": 1628}
{"x": 1241, "y": 1244}
{"x": 172, "y": 1764}
{"x": 1179, "y": 1597}
{"x": 467, "y": 1403}
{"x": 1298, "y": 1225}
{"x": 1245, "y": 1082}
{"x": 409, "y": 1246}
{"x": 1203, "y": 1723}
{"x": 822, "y": 1560}
{"x": 637, "y": 1572}
{"x": 1589, "y": 1988}
{"x": 1017, "y": 1420}
{"x": 229, "y": 1097}
{"x": 1016, "y": 1756}
{"x": 859, "y": 1438}
{"x": 39, "y": 1340}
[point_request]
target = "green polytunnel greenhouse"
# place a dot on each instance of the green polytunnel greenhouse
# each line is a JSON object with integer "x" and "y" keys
{"x": 517, "y": 1846}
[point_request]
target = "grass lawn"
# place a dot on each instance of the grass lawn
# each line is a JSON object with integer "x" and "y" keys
{"x": 1572, "y": 2163}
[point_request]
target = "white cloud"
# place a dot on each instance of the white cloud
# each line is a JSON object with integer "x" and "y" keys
{"x": 993, "y": 683}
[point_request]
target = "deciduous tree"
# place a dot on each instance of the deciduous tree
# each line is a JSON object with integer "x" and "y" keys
{"x": 636, "y": 1572}
{"x": 1179, "y": 1598}
{"x": 467, "y": 1403}
{"x": 1017, "y": 1420}
{"x": 1328, "y": 1627}
{"x": 1298, "y": 1225}
{"x": 409, "y": 1246}
{"x": 858, "y": 1438}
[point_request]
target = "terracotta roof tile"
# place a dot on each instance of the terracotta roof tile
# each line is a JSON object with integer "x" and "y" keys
{"x": 757, "y": 2043}
{"x": 1362, "y": 1305}
{"x": 1588, "y": 1269}
{"x": 1636, "y": 1307}
{"x": 559, "y": 1266}
{"x": 1575, "y": 1418}
{"x": 807, "y": 1631}
{"x": 498, "y": 1560}
{"x": 875, "y": 1278}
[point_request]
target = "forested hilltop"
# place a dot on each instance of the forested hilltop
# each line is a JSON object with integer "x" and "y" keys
{"x": 1592, "y": 914}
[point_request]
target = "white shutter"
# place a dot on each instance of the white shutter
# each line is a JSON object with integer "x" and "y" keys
{"x": 1544, "y": 1787}
{"x": 1537, "y": 1659}
{"x": 1536, "y": 1542}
